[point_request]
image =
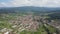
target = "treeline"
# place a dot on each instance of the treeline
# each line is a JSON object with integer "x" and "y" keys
{"x": 55, "y": 15}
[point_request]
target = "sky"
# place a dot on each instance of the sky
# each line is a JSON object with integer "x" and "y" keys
{"x": 38, "y": 3}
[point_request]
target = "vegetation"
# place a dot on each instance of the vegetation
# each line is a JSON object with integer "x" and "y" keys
{"x": 21, "y": 20}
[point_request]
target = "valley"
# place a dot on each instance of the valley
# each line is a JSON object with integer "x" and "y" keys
{"x": 29, "y": 20}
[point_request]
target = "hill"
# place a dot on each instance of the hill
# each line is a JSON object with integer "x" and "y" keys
{"x": 28, "y": 8}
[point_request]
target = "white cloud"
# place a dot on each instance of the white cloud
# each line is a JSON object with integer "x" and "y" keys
{"x": 21, "y": 2}
{"x": 41, "y": 3}
{"x": 2, "y": 4}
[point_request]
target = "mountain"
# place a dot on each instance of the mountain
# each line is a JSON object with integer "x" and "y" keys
{"x": 28, "y": 8}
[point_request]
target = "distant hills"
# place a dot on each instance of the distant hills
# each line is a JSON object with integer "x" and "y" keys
{"x": 28, "y": 8}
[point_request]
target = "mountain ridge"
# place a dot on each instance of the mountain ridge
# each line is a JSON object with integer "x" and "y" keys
{"x": 29, "y": 8}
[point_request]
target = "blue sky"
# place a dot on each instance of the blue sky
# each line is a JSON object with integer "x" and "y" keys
{"x": 39, "y": 3}
{"x": 5, "y": 0}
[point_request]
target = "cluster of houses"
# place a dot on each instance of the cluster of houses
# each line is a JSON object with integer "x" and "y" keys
{"x": 21, "y": 23}
{"x": 26, "y": 22}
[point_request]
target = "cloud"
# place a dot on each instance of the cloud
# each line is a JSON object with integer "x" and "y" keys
{"x": 40, "y": 3}
{"x": 21, "y": 3}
